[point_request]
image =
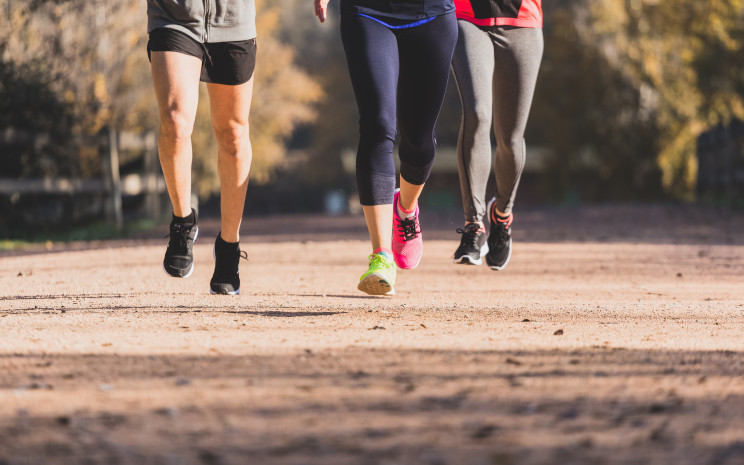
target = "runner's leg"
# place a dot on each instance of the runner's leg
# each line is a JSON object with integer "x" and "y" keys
{"x": 230, "y": 108}
{"x": 517, "y": 53}
{"x": 372, "y": 57}
{"x": 425, "y": 57}
{"x": 473, "y": 66}
{"x": 176, "y": 79}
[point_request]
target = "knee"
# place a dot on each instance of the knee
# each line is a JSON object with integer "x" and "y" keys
{"x": 511, "y": 144}
{"x": 176, "y": 126}
{"x": 417, "y": 146}
{"x": 478, "y": 117}
{"x": 377, "y": 130}
{"x": 232, "y": 137}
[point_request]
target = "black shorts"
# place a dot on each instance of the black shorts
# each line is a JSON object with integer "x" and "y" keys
{"x": 229, "y": 63}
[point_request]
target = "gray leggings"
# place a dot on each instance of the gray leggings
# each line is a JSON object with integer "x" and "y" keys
{"x": 495, "y": 69}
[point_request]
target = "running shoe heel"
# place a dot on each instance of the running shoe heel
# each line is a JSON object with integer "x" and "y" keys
{"x": 408, "y": 244}
{"x": 380, "y": 277}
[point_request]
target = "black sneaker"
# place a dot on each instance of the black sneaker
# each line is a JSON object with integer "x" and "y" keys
{"x": 179, "y": 257}
{"x": 227, "y": 255}
{"x": 473, "y": 245}
{"x": 499, "y": 239}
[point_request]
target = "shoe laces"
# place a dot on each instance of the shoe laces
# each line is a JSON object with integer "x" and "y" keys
{"x": 179, "y": 236}
{"x": 378, "y": 260}
{"x": 229, "y": 256}
{"x": 469, "y": 235}
{"x": 242, "y": 254}
{"x": 501, "y": 232}
{"x": 227, "y": 263}
{"x": 408, "y": 228}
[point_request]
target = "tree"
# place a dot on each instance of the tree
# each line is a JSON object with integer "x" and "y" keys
{"x": 91, "y": 56}
{"x": 685, "y": 59}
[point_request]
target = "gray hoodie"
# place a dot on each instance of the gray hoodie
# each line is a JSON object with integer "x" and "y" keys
{"x": 205, "y": 20}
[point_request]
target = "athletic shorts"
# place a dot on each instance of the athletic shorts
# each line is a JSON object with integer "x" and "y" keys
{"x": 229, "y": 63}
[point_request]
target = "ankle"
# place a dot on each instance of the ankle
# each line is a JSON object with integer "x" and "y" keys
{"x": 232, "y": 240}
{"x": 405, "y": 212}
{"x": 188, "y": 219}
{"x": 498, "y": 215}
{"x": 383, "y": 250}
{"x": 223, "y": 244}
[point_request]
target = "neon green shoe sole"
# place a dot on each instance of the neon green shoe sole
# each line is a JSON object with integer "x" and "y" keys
{"x": 376, "y": 284}
{"x": 380, "y": 278}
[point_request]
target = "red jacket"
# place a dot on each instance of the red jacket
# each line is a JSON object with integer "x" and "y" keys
{"x": 519, "y": 13}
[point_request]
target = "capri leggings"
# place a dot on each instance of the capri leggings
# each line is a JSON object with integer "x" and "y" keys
{"x": 399, "y": 72}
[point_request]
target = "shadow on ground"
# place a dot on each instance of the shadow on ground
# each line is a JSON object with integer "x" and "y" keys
{"x": 367, "y": 406}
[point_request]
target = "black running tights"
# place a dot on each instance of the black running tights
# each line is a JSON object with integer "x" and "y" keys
{"x": 403, "y": 73}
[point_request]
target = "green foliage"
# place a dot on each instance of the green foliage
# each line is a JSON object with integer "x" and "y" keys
{"x": 89, "y": 59}
{"x": 89, "y": 55}
{"x": 320, "y": 54}
{"x": 602, "y": 139}
{"x": 625, "y": 88}
{"x": 20, "y": 239}
{"x": 30, "y": 107}
{"x": 283, "y": 98}
{"x": 685, "y": 60}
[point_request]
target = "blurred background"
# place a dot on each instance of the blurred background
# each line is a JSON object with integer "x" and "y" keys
{"x": 637, "y": 101}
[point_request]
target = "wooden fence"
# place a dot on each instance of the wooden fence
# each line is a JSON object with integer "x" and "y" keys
{"x": 149, "y": 182}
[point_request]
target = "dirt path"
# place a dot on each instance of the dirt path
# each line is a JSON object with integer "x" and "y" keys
{"x": 605, "y": 341}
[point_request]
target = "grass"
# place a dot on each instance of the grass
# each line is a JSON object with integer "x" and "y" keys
{"x": 93, "y": 232}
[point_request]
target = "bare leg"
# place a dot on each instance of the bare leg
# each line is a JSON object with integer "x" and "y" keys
{"x": 230, "y": 106}
{"x": 409, "y": 194}
{"x": 380, "y": 217}
{"x": 380, "y": 225}
{"x": 176, "y": 79}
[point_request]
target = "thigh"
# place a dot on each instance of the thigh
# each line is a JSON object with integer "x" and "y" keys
{"x": 425, "y": 58}
{"x": 230, "y": 105}
{"x": 176, "y": 64}
{"x": 372, "y": 57}
{"x": 472, "y": 66}
{"x": 176, "y": 80}
{"x": 518, "y": 54}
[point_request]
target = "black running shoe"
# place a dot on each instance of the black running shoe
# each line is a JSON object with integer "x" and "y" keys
{"x": 179, "y": 257}
{"x": 499, "y": 239}
{"x": 473, "y": 245}
{"x": 227, "y": 255}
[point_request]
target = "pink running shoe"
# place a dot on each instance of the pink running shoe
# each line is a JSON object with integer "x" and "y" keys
{"x": 408, "y": 246}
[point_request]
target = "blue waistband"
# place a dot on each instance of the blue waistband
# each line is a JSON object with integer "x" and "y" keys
{"x": 401, "y": 26}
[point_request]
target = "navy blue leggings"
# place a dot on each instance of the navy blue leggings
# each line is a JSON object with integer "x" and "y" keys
{"x": 401, "y": 71}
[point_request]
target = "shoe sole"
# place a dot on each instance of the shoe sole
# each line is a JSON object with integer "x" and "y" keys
{"x": 376, "y": 284}
{"x": 213, "y": 292}
{"x": 409, "y": 267}
{"x": 188, "y": 273}
{"x": 191, "y": 268}
{"x": 468, "y": 260}
{"x": 501, "y": 267}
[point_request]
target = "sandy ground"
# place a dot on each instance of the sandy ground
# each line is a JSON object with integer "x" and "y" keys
{"x": 615, "y": 336}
